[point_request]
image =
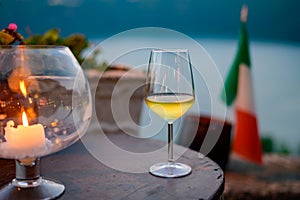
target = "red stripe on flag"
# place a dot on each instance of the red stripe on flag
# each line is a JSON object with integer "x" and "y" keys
{"x": 246, "y": 141}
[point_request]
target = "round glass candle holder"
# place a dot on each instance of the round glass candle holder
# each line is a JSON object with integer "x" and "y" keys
{"x": 45, "y": 106}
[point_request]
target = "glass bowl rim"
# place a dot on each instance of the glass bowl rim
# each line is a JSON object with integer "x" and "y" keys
{"x": 171, "y": 50}
{"x": 33, "y": 47}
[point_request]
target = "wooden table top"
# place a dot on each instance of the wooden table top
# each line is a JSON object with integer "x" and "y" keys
{"x": 85, "y": 177}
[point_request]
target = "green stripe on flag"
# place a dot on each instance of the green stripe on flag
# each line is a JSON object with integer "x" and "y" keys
{"x": 242, "y": 56}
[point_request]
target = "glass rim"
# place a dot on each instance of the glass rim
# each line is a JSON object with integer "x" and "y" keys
{"x": 177, "y": 50}
{"x": 32, "y": 47}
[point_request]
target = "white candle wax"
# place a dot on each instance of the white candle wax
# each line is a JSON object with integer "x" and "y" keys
{"x": 24, "y": 138}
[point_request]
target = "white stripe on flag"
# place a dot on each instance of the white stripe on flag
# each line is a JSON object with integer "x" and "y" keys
{"x": 245, "y": 96}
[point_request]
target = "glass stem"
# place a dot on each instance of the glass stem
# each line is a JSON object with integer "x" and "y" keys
{"x": 170, "y": 142}
{"x": 27, "y": 173}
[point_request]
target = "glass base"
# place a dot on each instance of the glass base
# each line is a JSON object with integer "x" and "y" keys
{"x": 39, "y": 189}
{"x": 170, "y": 169}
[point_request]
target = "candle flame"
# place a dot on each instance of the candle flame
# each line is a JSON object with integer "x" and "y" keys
{"x": 23, "y": 88}
{"x": 24, "y": 119}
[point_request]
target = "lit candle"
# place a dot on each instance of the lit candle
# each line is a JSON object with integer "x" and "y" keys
{"x": 24, "y": 138}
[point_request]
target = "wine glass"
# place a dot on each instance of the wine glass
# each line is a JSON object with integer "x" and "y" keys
{"x": 45, "y": 106}
{"x": 169, "y": 94}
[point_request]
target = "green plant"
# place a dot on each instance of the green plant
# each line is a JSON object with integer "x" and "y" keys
{"x": 10, "y": 35}
{"x": 284, "y": 149}
{"x": 90, "y": 62}
{"x": 76, "y": 42}
{"x": 267, "y": 143}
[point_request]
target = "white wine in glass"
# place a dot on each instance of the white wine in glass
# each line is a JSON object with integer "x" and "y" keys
{"x": 169, "y": 93}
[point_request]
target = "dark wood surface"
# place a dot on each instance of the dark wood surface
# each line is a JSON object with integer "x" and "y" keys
{"x": 87, "y": 178}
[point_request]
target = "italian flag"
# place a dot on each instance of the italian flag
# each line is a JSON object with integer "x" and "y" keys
{"x": 238, "y": 91}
